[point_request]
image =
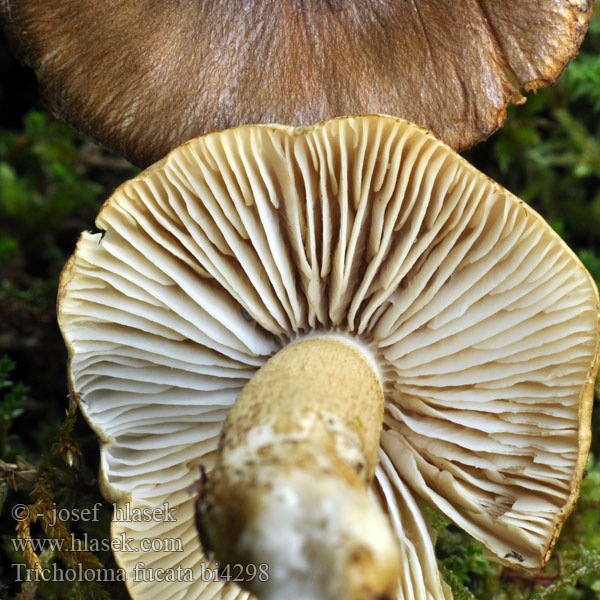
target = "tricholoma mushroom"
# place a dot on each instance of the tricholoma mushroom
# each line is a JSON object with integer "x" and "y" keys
{"x": 340, "y": 323}
{"x": 143, "y": 76}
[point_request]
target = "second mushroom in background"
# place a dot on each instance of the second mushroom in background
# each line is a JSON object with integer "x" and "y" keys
{"x": 142, "y": 77}
{"x": 466, "y": 334}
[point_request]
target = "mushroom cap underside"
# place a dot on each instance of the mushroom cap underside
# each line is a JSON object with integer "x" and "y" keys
{"x": 143, "y": 77}
{"x": 483, "y": 323}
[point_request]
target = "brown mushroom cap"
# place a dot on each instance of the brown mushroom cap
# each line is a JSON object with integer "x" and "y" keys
{"x": 142, "y": 77}
{"x": 484, "y": 326}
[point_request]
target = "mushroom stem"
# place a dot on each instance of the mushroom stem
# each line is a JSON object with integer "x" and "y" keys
{"x": 289, "y": 492}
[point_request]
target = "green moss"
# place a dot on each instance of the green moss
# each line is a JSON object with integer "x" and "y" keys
{"x": 51, "y": 186}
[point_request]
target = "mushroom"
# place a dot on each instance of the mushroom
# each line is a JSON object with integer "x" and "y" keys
{"x": 143, "y": 77}
{"x": 336, "y": 322}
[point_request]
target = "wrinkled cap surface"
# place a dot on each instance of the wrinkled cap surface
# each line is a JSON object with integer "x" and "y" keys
{"x": 483, "y": 323}
{"x": 143, "y": 76}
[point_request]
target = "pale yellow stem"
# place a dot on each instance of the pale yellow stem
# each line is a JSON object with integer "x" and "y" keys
{"x": 289, "y": 489}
